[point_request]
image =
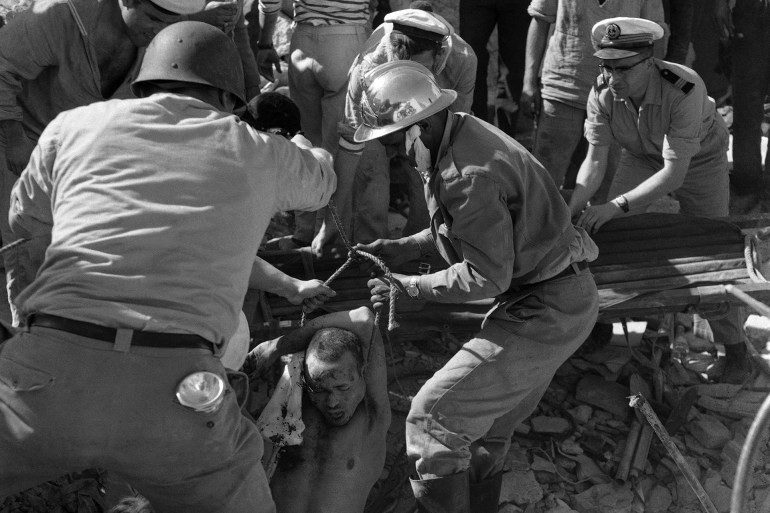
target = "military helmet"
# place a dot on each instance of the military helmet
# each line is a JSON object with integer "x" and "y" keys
{"x": 195, "y": 52}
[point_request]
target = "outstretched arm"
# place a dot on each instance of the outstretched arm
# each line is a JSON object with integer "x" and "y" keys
{"x": 310, "y": 293}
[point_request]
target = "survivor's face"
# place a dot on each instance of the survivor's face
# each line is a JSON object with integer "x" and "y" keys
{"x": 143, "y": 20}
{"x": 335, "y": 388}
{"x": 626, "y": 77}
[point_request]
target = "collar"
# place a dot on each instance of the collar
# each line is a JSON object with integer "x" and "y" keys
{"x": 445, "y": 140}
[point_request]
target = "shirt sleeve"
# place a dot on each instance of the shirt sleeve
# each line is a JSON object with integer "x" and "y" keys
{"x": 682, "y": 139}
{"x": 30, "y": 215}
{"x": 26, "y": 49}
{"x": 306, "y": 179}
{"x": 597, "y": 125}
{"x": 269, "y": 6}
{"x": 352, "y": 118}
{"x": 466, "y": 84}
{"x": 545, "y": 10}
{"x": 482, "y": 225}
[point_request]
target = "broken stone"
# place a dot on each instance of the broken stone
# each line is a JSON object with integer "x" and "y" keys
{"x": 581, "y": 413}
{"x": 607, "y": 395}
{"x": 509, "y": 508}
{"x": 605, "y": 497}
{"x": 709, "y": 431}
{"x": 569, "y": 446}
{"x": 542, "y": 465}
{"x": 550, "y": 425}
{"x": 658, "y": 501}
{"x": 520, "y": 487}
{"x": 719, "y": 494}
{"x": 758, "y": 329}
{"x": 559, "y": 507}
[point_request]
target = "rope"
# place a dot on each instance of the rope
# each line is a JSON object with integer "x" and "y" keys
{"x": 355, "y": 254}
{"x": 12, "y": 245}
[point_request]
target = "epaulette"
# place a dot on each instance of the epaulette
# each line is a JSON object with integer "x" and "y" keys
{"x": 678, "y": 81}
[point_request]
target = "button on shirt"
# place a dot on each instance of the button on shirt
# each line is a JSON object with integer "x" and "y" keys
{"x": 496, "y": 217}
{"x": 156, "y": 208}
{"x": 670, "y": 124}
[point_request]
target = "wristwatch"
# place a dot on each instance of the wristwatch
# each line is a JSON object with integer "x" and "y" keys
{"x": 265, "y": 46}
{"x": 412, "y": 289}
{"x": 622, "y": 202}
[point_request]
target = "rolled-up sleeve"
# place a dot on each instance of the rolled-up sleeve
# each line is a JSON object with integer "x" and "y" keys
{"x": 26, "y": 49}
{"x": 544, "y": 10}
{"x": 483, "y": 228}
{"x": 597, "y": 125}
{"x": 269, "y": 6}
{"x": 306, "y": 180}
{"x": 682, "y": 139}
{"x": 352, "y": 118}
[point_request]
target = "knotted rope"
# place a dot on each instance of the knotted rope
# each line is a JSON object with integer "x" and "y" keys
{"x": 355, "y": 254}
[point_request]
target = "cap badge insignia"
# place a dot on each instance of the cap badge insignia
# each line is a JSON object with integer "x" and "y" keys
{"x": 613, "y": 31}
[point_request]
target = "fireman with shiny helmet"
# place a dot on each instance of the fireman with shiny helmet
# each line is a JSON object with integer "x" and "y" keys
{"x": 500, "y": 223}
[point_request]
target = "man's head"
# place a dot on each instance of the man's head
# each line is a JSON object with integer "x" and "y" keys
{"x": 403, "y": 106}
{"x": 145, "y": 18}
{"x": 194, "y": 58}
{"x": 625, "y": 47}
{"x": 420, "y": 36}
{"x": 275, "y": 113}
{"x": 334, "y": 374}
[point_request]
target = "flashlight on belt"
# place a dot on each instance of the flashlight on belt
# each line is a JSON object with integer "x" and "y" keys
{"x": 201, "y": 391}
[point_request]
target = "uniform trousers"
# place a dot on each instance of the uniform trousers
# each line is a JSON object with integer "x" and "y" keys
{"x": 464, "y": 416}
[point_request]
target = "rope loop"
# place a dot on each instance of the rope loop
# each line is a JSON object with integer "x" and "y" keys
{"x": 355, "y": 255}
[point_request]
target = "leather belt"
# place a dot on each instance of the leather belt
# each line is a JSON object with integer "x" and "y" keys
{"x": 138, "y": 338}
{"x": 572, "y": 269}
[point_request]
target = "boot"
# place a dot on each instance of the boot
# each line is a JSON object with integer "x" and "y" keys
{"x": 738, "y": 367}
{"x": 485, "y": 495}
{"x": 448, "y": 494}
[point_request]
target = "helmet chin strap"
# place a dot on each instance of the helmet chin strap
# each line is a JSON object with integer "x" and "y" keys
{"x": 421, "y": 153}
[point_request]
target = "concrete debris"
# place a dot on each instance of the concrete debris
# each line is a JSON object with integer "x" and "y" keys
{"x": 659, "y": 500}
{"x": 603, "y": 498}
{"x": 607, "y": 395}
{"x": 709, "y": 431}
{"x": 556, "y": 426}
{"x": 581, "y": 413}
{"x": 719, "y": 493}
{"x": 520, "y": 487}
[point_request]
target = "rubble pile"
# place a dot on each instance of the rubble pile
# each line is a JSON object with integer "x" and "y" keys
{"x": 586, "y": 450}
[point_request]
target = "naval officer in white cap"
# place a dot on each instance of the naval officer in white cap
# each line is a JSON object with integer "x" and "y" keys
{"x": 672, "y": 140}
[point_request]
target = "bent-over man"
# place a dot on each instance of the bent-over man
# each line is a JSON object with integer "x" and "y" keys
{"x": 500, "y": 223}
{"x": 154, "y": 208}
{"x": 673, "y": 140}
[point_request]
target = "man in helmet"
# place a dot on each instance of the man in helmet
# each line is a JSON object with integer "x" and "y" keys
{"x": 154, "y": 208}
{"x": 674, "y": 140}
{"x": 364, "y": 171}
{"x": 500, "y": 223}
{"x": 58, "y": 55}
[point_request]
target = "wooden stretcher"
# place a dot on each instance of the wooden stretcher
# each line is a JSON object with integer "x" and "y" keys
{"x": 649, "y": 264}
